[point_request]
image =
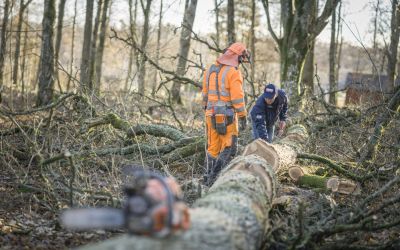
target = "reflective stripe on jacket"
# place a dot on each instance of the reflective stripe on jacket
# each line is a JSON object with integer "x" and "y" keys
{"x": 230, "y": 88}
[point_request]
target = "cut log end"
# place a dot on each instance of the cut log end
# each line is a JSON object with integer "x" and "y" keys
{"x": 343, "y": 186}
{"x": 295, "y": 173}
{"x": 264, "y": 150}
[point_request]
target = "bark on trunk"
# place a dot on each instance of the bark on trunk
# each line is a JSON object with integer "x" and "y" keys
{"x": 93, "y": 47}
{"x": 46, "y": 70}
{"x": 132, "y": 30}
{"x": 217, "y": 32}
{"x": 71, "y": 62}
{"x": 234, "y": 214}
{"x": 231, "y": 22}
{"x": 87, "y": 38}
{"x": 184, "y": 46}
{"x": 145, "y": 38}
{"x": 332, "y": 61}
{"x": 394, "y": 42}
{"x": 300, "y": 28}
{"x": 155, "y": 78}
{"x": 61, "y": 7}
{"x": 100, "y": 48}
{"x": 22, "y": 7}
{"x": 3, "y": 43}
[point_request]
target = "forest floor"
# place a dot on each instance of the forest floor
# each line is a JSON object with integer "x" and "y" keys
{"x": 34, "y": 190}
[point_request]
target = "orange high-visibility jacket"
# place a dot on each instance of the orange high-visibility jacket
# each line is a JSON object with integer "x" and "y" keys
{"x": 230, "y": 87}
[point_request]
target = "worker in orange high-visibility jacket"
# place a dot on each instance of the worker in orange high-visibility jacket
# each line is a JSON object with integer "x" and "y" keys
{"x": 225, "y": 110}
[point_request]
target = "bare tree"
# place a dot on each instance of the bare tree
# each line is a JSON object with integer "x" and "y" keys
{"x": 87, "y": 38}
{"x": 22, "y": 7}
{"x": 217, "y": 4}
{"x": 253, "y": 38}
{"x": 299, "y": 30}
{"x": 184, "y": 46}
{"x": 71, "y": 62}
{"x": 374, "y": 43}
{"x": 332, "y": 61}
{"x": 231, "y": 22}
{"x": 3, "y": 43}
{"x": 93, "y": 46}
{"x": 46, "y": 67}
{"x": 60, "y": 19}
{"x": 100, "y": 47}
{"x": 394, "y": 42}
{"x": 132, "y": 31}
{"x": 24, "y": 56}
{"x": 145, "y": 37}
{"x": 154, "y": 82}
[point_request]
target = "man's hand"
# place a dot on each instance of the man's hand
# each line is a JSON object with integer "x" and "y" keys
{"x": 282, "y": 125}
{"x": 242, "y": 123}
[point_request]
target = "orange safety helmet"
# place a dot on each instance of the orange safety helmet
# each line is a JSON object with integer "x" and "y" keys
{"x": 235, "y": 54}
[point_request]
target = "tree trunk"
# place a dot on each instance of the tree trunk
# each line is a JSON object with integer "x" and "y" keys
{"x": 394, "y": 42}
{"x": 231, "y": 22}
{"x": 24, "y": 57}
{"x": 184, "y": 46}
{"x": 61, "y": 7}
{"x": 71, "y": 62}
{"x": 100, "y": 48}
{"x": 145, "y": 37}
{"x": 253, "y": 40}
{"x": 374, "y": 43}
{"x": 234, "y": 214}
{"x": 46, "y": 70}
{"x": 332, "y": 61}
{"x": 93, "y": 46}
{"x": 132, "y": 30}
{"x": 217, "y": 32}
{"x": 87, "y": 38}
{"x": 3, "y": 42}
{"x": 154, "y": 82}
{"x": 300, "y": 29}
{"x": 22, "y": 7}
{"x": 308, "y": 70}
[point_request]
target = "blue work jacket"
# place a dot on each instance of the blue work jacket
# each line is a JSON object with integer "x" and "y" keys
{"x": 264, "y": 115}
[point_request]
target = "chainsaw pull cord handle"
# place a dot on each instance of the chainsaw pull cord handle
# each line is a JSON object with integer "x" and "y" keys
{"x": 170, "y": 196}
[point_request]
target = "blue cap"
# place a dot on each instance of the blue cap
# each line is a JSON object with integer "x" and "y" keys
{"x": 269, "y": 91}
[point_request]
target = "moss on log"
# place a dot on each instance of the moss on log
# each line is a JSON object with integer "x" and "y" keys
{"x": 234, "y": 214}
{"x": 132, "y": 131}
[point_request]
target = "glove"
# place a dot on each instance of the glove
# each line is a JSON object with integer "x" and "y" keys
{"x": 242, "y": 123}
{"x": 282, "y": 125}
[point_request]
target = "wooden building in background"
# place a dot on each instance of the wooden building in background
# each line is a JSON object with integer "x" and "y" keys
{"x": 367, "y": 88}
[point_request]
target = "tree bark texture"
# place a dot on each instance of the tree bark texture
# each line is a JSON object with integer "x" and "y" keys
{"x": 3, "y": 42}
{"x": 46, "y": 68}
{"x": 100, "y": 47}
{"x": 145, "y": 37}
{"x": 22, "y": 7}
{"x": 234, "y": 214}
{"x": 300, "y": 28}
{"x": 61, "y": 7}
{"x": 394, "y": 42}
{"x": 217, "y": 30}
{"x": 93, "y": 46}
{"x": 231, "y": 22}
{"x": 132, "y": 31}
{"x": 155, "y": 78}
{"x": 71, "y": 62}
{"x": 332, "y": 61}
{"x": 87, "y": 38}
{"x": 184, "y": 46}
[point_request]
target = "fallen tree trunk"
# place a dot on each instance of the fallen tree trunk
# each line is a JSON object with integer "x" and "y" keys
{"x": 333, "y": 184}
{"x": 135, "y": 130}
{"x": 234, "y": 214}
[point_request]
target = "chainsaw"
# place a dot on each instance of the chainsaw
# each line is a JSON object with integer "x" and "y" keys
{"x": 153, "y": 206}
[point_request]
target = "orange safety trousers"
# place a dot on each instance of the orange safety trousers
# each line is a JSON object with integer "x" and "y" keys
{"x": 217, "y": 143}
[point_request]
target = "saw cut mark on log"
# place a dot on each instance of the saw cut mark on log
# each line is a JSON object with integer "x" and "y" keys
{"x": 233, "y": 214}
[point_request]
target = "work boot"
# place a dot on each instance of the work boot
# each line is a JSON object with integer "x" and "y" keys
{"x": 222, "y": 160}
{"x": 209, "y": 163}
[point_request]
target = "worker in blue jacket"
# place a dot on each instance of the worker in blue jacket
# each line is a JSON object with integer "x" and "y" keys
{"x": 270, "y": 106}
